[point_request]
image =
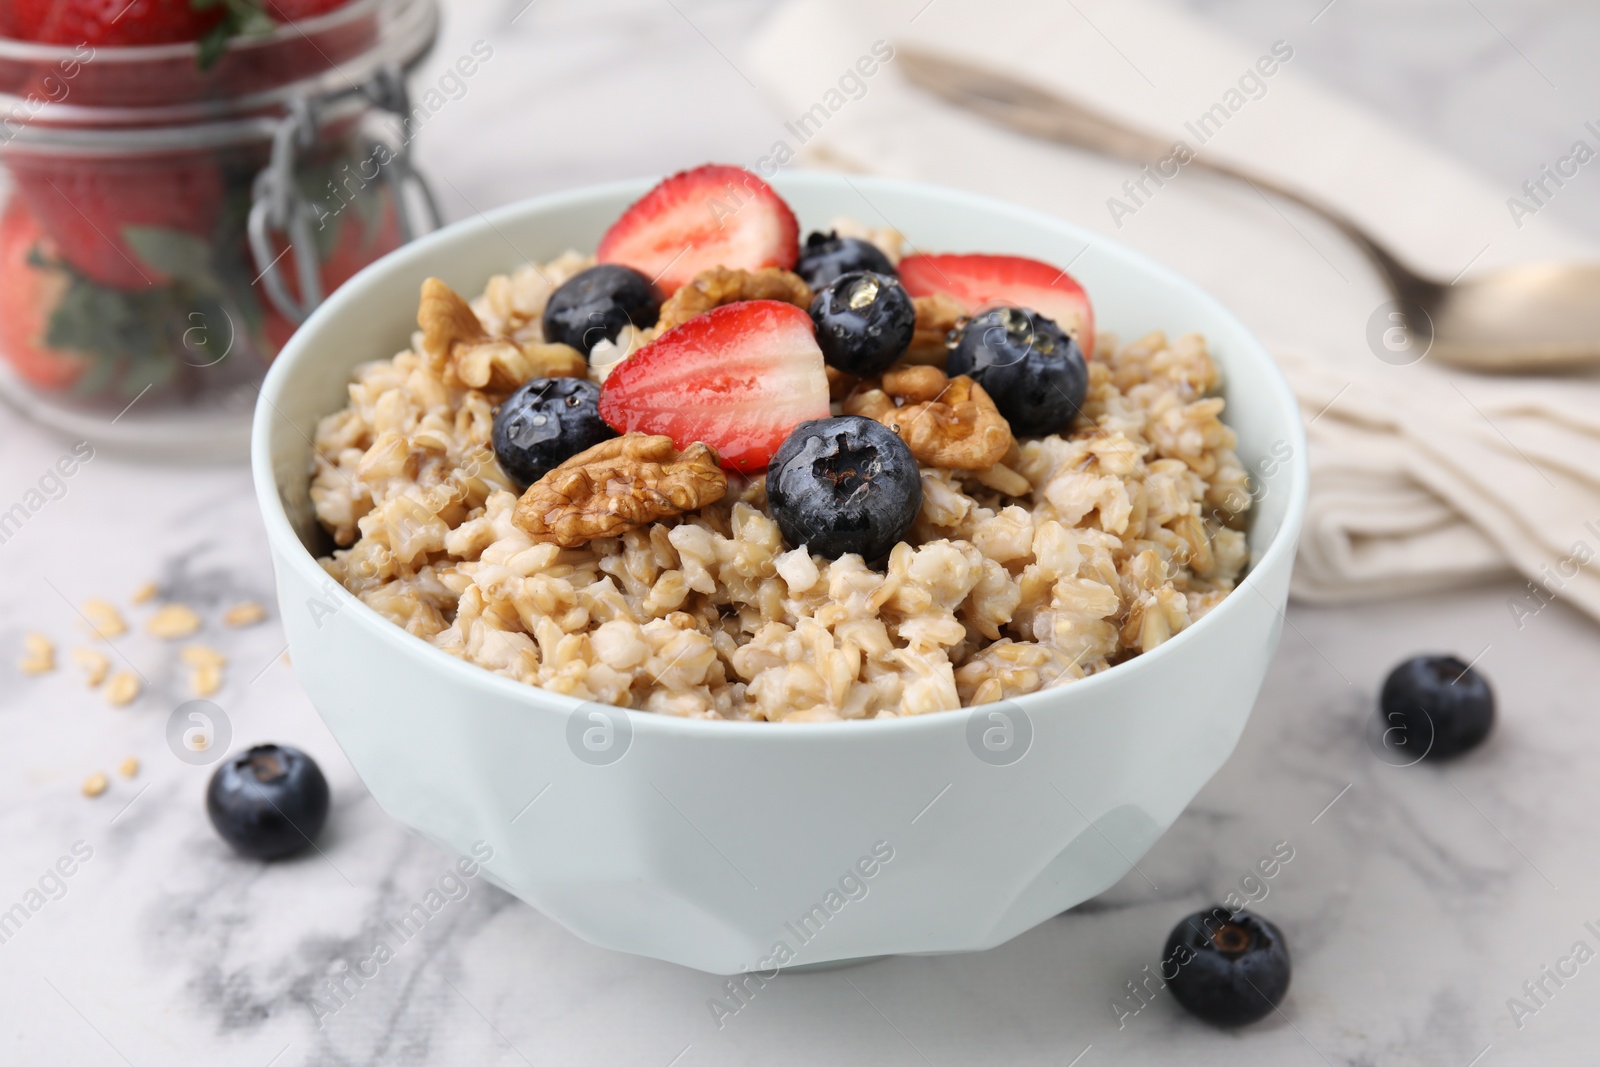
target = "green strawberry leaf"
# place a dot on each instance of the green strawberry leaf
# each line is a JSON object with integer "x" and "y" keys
{"x": 174, "y": 253}
{"x": 139, "y": 338}
{"x": 143, "y": 373}
{"x": 240, "y": 18}
{"x": 101, "y": 322}
{"x": 214, "y": 44}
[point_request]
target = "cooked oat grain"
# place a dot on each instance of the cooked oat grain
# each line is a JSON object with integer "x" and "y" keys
{"x": 38, "y": 654}
{"x": 123, "y": 689}
{"x": 105, "y": 621}
{"x": 173, "y": 621}
{"x": 95, "y": 664}
{"x": 246, "y": 614}
{"x": 205, "y": 679}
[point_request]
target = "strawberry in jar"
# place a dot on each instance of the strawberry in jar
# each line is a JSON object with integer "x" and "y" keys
{"x": 134, "y": 134}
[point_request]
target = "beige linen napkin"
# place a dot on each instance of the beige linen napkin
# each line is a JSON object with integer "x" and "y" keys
{"x": 1422, "y": 477}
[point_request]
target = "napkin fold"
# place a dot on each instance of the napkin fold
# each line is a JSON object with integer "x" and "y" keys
{"x": 1455, "y": 479}
{"x": 1422, "y": 477}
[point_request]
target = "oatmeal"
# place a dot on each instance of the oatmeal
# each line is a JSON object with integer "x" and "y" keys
{"x": 1032, "y": 560}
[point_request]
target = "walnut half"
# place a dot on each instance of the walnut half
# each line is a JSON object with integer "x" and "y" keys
{"x": 446, "y": 320}
{"x": 492, "y": 364}
{"x": 500, "y": 366}
{"x": 619, "y": 485}
{"x": 720, "y": 285}
{"x": 946, "y": 422}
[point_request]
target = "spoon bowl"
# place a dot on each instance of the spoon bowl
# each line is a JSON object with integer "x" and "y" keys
{"x": 1526, "y": 318}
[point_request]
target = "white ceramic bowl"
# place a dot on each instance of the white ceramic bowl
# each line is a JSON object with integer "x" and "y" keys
{"x": 747, "y": 846}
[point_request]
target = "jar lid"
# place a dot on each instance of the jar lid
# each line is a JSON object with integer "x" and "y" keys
{"x": 154, "y": 97}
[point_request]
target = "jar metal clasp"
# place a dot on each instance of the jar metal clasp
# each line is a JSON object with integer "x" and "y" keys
{"x": 279, "y": 208}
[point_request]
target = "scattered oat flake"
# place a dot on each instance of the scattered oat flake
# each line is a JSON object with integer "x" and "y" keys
{"x": 202, "y": 656}
{"x": 246, "y": 614}
{"x": 123, "y": 689}
{"x": 146, "y": 593}
{"x": 104, "y": 619}
{"x": 95, "y": 784}
{"x": 172, "y": 621}
{"x": 129, "y": 767}
{"x": 38, "y": 654}
{"x": 96, "y": 664}
{"x": 205, "y": 679}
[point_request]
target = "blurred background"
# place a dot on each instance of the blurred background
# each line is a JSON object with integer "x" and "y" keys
{"x": 1417, "y": 903}
{"x": 617, "y": 88}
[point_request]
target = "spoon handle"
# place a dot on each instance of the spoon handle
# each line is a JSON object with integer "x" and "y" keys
{"x": 1022, "y": 107}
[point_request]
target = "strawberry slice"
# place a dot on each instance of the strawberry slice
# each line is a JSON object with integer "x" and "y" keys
{"x": 712, "y": 216}
{"x": 739, "y": 378}
{"x": 978, "y": 281}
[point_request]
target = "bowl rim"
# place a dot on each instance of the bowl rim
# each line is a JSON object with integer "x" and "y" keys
{"x": 287, "y": 549}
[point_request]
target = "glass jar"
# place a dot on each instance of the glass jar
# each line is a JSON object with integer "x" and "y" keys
{"x": 164, "y": 228}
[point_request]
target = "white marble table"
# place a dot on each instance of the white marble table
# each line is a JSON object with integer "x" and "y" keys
{"x": 1418, "y": 899}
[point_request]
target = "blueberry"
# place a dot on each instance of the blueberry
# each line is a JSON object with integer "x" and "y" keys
{"x": 827, "y": 255}
{"x": 1436, "y": 707}
{"x": 547, "y": 421}
{"x": 844, "y": 485}
{"x": 864, "y": 322}
{"x": 268, "y": 802}
{"x": 595, "y": 304}
{"x": 1232, "y": 967}
{"x": 1034, "y": 373}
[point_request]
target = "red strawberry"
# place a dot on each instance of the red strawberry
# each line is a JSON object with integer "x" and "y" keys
{"x": 27, "y": 298}
{"x": 118, "y": 23}
{"x": 112, "y": 22}
{"x": 977, "y": 281}
{"x": 739, "y": 379}
{"x": 712, "y": 216}
{"x": 87, "y": 206}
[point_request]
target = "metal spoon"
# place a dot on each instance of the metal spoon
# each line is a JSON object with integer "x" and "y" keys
{"x": 1520, "y": 319}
